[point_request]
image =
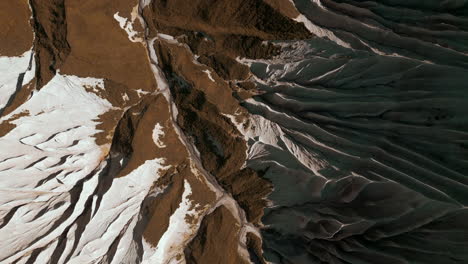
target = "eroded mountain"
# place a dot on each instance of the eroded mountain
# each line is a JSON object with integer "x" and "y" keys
{"x": 229, "y": 131}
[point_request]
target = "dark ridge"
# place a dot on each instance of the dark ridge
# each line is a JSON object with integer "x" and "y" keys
{"x": 254, "y": 247}
{"x": 32, "y": 258}
{"x": 51, "y": 47}
{"x": 81, "y": 221}
{"x": 229, "y": 14}
{"x": 61, "y": 244}
{"x": 6, "y": 219}
{"x": 55, "y": 134}
{"x": 106, "y": 177}
{"x": 124, "y": 133}
{"x": 212, "y": 135}
{"x": 114, "y": 246}
{"x": 35, "y": 162}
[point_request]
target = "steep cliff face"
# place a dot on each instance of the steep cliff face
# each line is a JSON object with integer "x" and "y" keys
{"x": 257, "y": 131}
{"x": 51, "y": 48}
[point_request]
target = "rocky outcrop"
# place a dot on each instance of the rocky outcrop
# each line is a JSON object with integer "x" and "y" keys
{"x": 51, "y": 47}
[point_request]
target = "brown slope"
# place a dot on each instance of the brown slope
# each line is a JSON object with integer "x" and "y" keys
{"x": 217, "y": 240}
{"x": 133, "y": 142}
{"x": 16, "y": 32}
{"x": 201, "y": 104}
{"x": 101, "y": 49}
{"x": 253, "y": 18}
{"x": 215, "y": 34}
{"x": 83, "y": 38}
{"x": 286, "y": 8}
{"x": 162, "y": 207}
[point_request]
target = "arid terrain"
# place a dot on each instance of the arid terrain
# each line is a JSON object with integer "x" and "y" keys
{"x": 234, "y": 131}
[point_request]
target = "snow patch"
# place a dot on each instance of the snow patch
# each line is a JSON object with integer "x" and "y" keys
{"x": 165, "y": 36}
{"x": 321, "y": 32}
{"x": 157, "y": 133}
{"x": 127, "y": 25}
{"x": 140, "y": 92}
{"x": 208, "y": 72}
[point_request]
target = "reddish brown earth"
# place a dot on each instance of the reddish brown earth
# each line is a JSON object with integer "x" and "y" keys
{"x": 219, "y": 34}
{"x": 217, "y": 240}
{"x": 100, "y": 48}
{"x": 6, "y": 126}
{"x": 16, "y": 32}
{"x": 164, "y": 205}
{"x": 284, "y": 7}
